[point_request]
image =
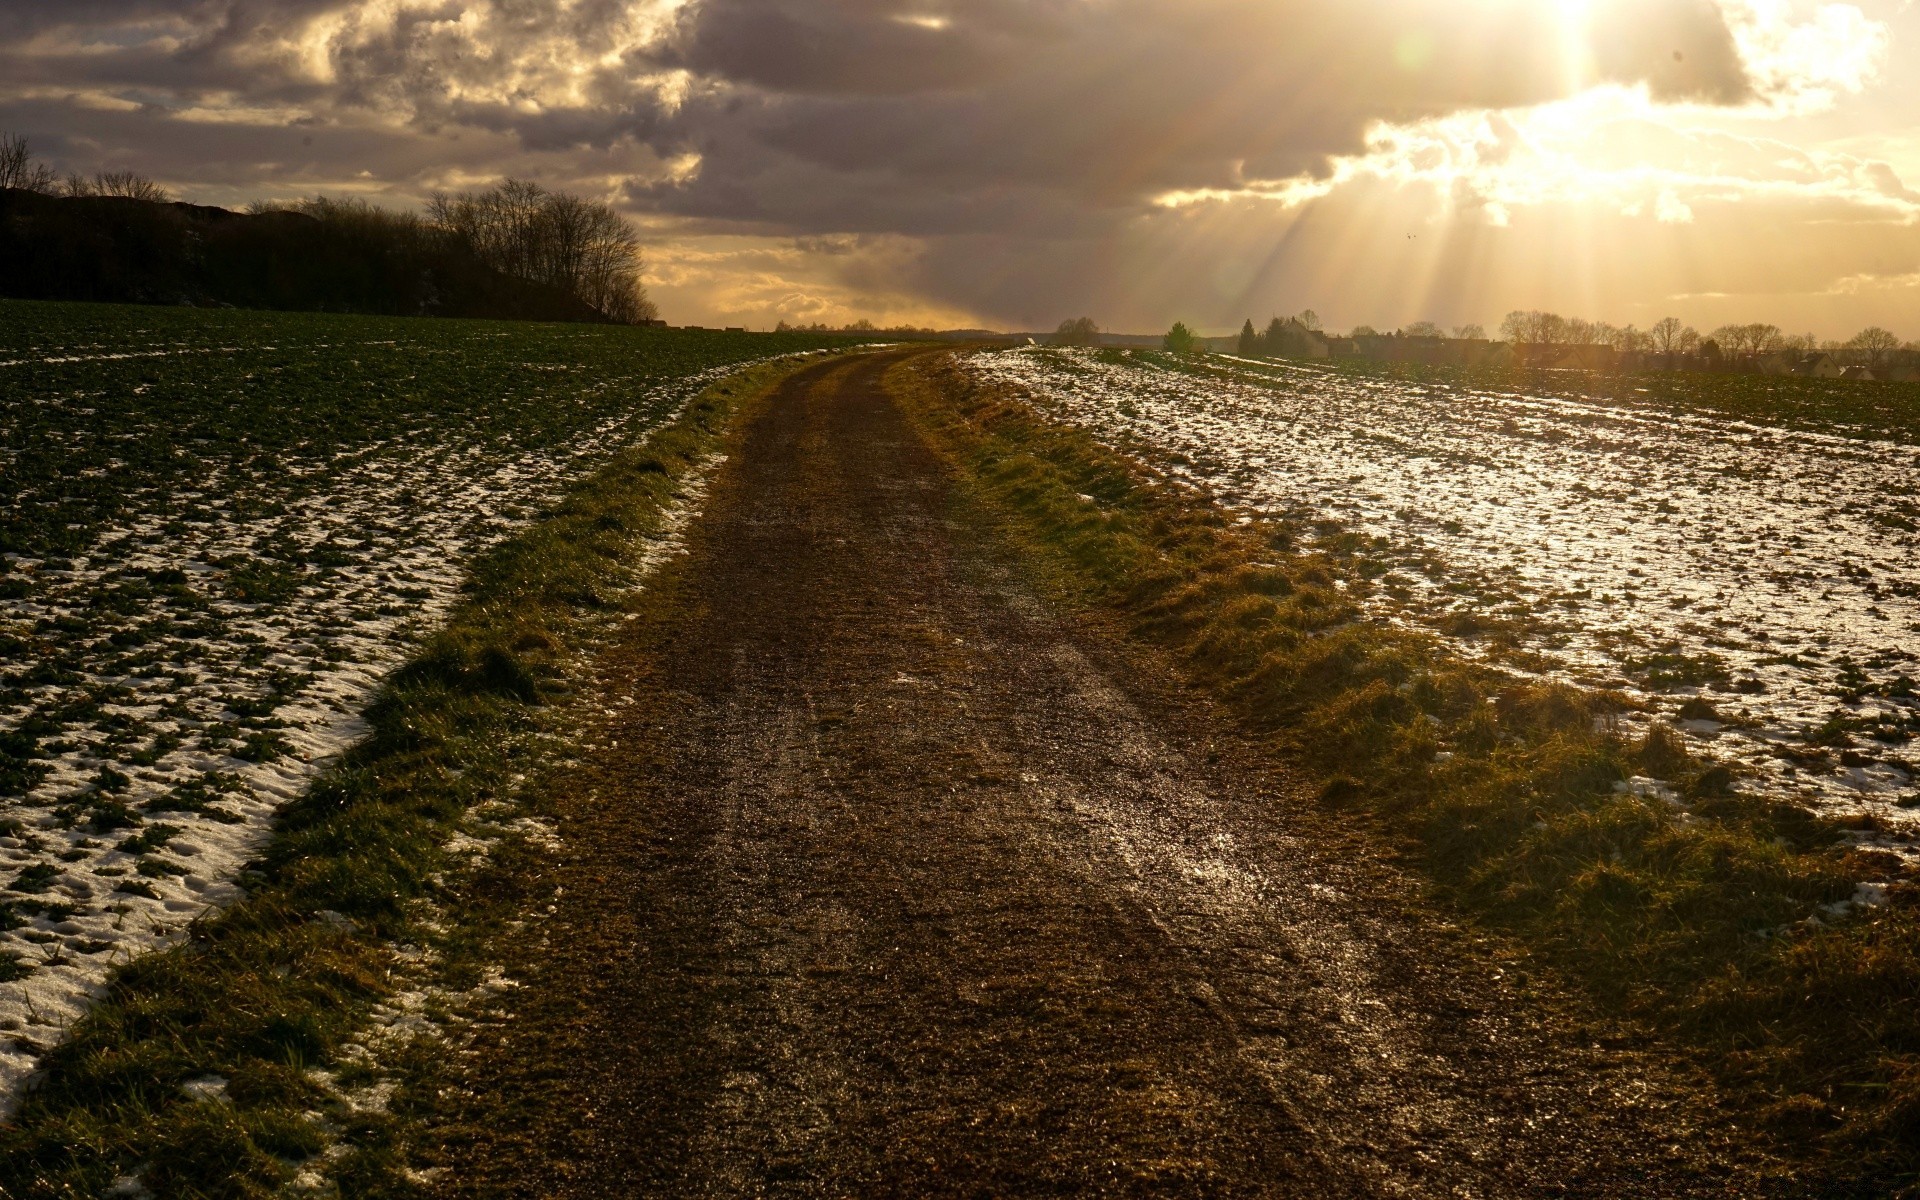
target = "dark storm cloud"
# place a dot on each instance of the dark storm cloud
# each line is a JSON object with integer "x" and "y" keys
{"x": 1040, "y": 123}
{"x": 861, "y": 46}
{"x": 1099, "y": 98}
{"x": 1107, "y": 103}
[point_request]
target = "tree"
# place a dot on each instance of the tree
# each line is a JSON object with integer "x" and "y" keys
{"x": 18, "y": 168}
{"x": 1179, "y": 339}
{"x": 1470, "y": 333}
{"x": 1423, "y": 329}
{"x": 1757, "y": 338}
{"x": 1309, "y": 319}
{"x": 1361, "y": 331}
{"x": 1666, "y": 335}
{"x": 1249, "y": 341}
{"x": 1578, "y": 332}
{"x": 1728, "y": 339}
{"x": 1273, "y": 343}
{"x": 575, "y": 245}
{"x": 127, "y": 185}
{"x": 130, "y": 186}
{"x": 1626, "y": 340}
{"x": 1875, "y": 344}
{"x": 1079, "y": 331}
{"x": 1535, "y": 328}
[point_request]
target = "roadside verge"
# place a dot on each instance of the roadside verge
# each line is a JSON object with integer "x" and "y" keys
{"x": 1724, "y": 922}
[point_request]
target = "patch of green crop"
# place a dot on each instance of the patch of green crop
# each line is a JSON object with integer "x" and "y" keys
{"x": 107, "y": 411}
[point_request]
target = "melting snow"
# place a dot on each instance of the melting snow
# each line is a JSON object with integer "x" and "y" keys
{"x": 1766, "y": 574}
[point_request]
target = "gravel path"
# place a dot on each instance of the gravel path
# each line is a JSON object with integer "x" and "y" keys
{"x": 891, "y": 880}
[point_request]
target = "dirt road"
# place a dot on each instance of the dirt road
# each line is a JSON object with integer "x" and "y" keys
{"x": 891, "y": 881}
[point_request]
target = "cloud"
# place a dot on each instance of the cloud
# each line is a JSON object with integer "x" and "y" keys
{"x": 1106, "y": 101}
{"x": 997, "y": 157}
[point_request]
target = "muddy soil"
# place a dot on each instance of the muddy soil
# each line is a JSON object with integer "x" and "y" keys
{"x": 891, "y": 879}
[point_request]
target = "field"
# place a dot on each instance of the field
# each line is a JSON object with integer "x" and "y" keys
{"x": 1734, "y": 556}
{"x": 220, "y": 530}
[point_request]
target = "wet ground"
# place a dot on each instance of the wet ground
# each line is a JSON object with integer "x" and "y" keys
{"x": 892, "y": 880}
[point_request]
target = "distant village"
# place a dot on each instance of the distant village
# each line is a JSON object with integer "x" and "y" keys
{"x": 1548, "y": 341}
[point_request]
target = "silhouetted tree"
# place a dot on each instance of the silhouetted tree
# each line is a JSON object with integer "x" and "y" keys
{"x": 1309, "y": 319}
{"x": 1423, "y": 329}
{"x": 1470, "y": 333}
{"x": 18, "y": 168}
{"x": 1747, "y": 339}
{"x": 124, "y": 185}
{"x": 1875, "y": 345}
{"x": 1179, "y": 339}
{"x": 1080, "y": 331}
{"x": 1535, "y": 328}
{"x": 578, "y": 246}
{"x": 1249, "y": 346}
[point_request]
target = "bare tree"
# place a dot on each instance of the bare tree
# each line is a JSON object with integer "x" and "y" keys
{"x": 1081, "y": 331}
{"x": 1763, "y": 338}
{"x": 1875, "y": 345}
{"x": 576, "y": 245}
{"x": 1666, "y": 335}
{"x": 1470, "y": 333}
{"x": 18, "y": 168}
{"x": 1423, "y": 329}
{"x": 1535, "y": 328}
{"x": 1309, "y": 319}
{"x": 1629, "y": 340}
{"x": 125, "y": 185}
{"x": 1731, "y": 339}
{"x": 130, "y": 186}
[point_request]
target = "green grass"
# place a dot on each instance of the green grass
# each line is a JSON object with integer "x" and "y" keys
{"x": 268, "y": 994}
{"x": 152, "y": 399}
{"x": 1706, "y": 923}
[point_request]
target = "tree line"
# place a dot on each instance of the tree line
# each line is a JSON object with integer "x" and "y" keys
{"x": 1670, "y": 336}
{"x": 515, "y": 250}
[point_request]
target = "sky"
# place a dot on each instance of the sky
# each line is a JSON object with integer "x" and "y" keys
{"x": 1012, "y": 163}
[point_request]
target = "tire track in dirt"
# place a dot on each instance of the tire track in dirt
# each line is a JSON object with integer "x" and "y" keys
{"x": 896, "y": 882}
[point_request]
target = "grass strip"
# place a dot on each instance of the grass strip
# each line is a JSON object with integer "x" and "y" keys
{"x": 1715, "y": 917}
{"x": 217, "y": 1068}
